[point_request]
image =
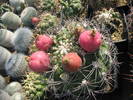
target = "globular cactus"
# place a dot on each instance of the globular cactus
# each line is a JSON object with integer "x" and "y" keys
{"x": 47, "y": 21}
{"x": 13, "y": 87}
{"x": 6, "y": 37}
{"x": 34, "y": 86}
{"x": 4, "y": 95}
{"x": 18, "y": 5}
{"x": 18, "y": 96}
{"x": 113, "y": 22}
{"x": 2, "y": 82}
{"x": 11, "y": 20}
{"x": 22, "y": 39}
{"x": 27, "y": 14}
{"x": 16, "y": 65}
{"x": 4, "y": 55}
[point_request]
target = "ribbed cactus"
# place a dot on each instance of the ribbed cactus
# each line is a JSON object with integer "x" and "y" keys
{"x": 11, "y": 20}
{"x": 27, "y": 14}
{"x": 16, "y": 65}
{"x": 4, "y": 95}
{"x": 22, "y": 39}
{"x": 2, "y": 82}
{"x": 4, "y": 55}
{"x": 47, "y": 21}
{"x": 13, "y": 87}
{"x": 5, "y": 38}
{"x": 34, "y": 86}
{"x": 113, "y": 22}
{"x": 18, "y": 5}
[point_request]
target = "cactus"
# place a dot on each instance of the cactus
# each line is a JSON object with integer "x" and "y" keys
{"x": 5, "y": 38}
{"x": 22, "y": 38}
{"x": 4, "y": 95}
{"x": 18, "y": 5}
{"x": 16, "y": 65}
{"x": 2, "y": 82}
{"x": 18, "y": 96}
{"x": 27, "y": 15}
{"x": 112, "y": 21}
{"x": 34, "y": 86}
{"x": 11, "y": 20}
{"x": 47, "y": 21}
{"x": 4, "y": 55}
{"x": 13, "y": 87}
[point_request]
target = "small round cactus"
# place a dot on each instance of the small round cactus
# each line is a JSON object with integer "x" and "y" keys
{"x": 11, "y": 20}
{"x": 4, "y": 55}
{"x": 27, "y": 14}
{"x": 22, "y": 39}
{"x": 2, "y": 82}
{"x": 13, "y": 87}
{"x": 6, "y": 37}
{"x": 16, "y": 65}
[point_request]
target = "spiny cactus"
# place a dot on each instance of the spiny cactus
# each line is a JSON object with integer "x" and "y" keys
{"x": 4, "y": 95}
{"x": 4, "y": 55}
{"x": 18, "y": 5}
{"x": 5, "y": 38}
{"x": 22, "y": 39}
{"x": 47, "y": 21}
{"x": 27, "y": 15}
{"x": 11, "y": 20}
{"x": 13, "y": 87}
{"x": 16, "y": 65}
{"x": 2, "y": 82}
{"x": 113, "y": 22}
{"x": 34, "y": 86}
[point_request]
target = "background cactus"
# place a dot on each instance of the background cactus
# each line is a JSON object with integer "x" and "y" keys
{"x": 18, "y": 5}
{"x": 4, "y": 55}
{"x": 27, "y": 15}
{"x": 22, "y": 38}
{"x": 4, "y": 95}
{"x": 34, "y": 86}
{"x": 16, "y": 65}
{"x": 13, "y": 87}
{"x": 11, "y": 20}
{"x": 2, "y": 82}
{"x": 113, "y": 22}
{"x": 5, "y": 38}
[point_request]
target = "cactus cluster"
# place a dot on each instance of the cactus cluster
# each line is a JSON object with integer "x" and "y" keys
{"x": 113, "y": 22}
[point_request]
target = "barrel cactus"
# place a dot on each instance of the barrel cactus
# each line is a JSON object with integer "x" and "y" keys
{"x": 18, "y": 5}
{"x": 6, "y": 37}
{"x": 4, "y": 95}
{"x": 16, "y": 65}
{"x": 11, "y": 20}
{"x": 13, "y": 87}
{"x": 2, "y": 82}
{"x": 4, "y": 55}
{"x": 27, "y": 14}
{"x": 22, "y": 38}
{"x": 113, "y": 22}
{"x": 34, "y": 86}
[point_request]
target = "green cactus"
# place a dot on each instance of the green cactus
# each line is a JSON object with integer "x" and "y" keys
{"x": 47, "y": 21}
{"x": 18, "y": 5}
{"x": 34, "y": 86}
{"x": 113, "y": 22}
{"x": 11, "y": 20}
{"x": 27, "y": 15}
{"x": 6, "y": 37}
{"x": 16, "y": 65}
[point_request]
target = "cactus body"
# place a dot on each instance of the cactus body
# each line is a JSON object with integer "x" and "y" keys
{"x": 2, "y": 82}
{"x": 4, "y": 95}
{"x": 16, "y": 65}
{"x": 11, "y": 20}
{"x": 18, "y": 5}
{"x": 4, "y": 55}
{"x": 22, "y": 38}
{"x": 5, "y": 38}
{"x": 27, "y": 15}
{"x": 13, "y": 87}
